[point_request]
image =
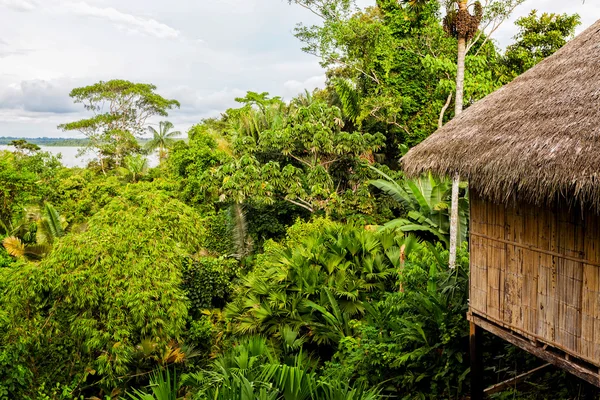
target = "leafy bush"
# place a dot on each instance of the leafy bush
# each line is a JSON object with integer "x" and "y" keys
{"x": 193, "y": 162}
{"x": 208, "y": 282}
{"x": 84, "y": 193}
{"x": 80, "y": 313}
{"x": 252, "y": 370}
{"x": 317, "y": 284}
{"x": 5, "y": 259}
{"x": 218, "y": 238}
{"x": 414, "y": 340}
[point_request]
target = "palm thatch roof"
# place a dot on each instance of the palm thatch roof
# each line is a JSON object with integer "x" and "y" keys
{"x": 537, "y": 138}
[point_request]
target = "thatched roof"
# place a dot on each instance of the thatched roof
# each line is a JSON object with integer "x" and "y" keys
{"x": 538, "y": 137}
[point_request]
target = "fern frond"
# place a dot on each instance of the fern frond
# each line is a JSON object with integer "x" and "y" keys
{"x": 349, "y": 98}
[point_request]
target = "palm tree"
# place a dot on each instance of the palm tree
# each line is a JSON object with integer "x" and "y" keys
{"x": 162, "y": 139}
{"x": 49, "y": 226}
{"x": 426, "y": 203}
{"x": 459, "y": 23}
{"x": 136, "y": 165}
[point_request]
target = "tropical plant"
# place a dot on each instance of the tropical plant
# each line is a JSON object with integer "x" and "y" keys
{"x": 101, "y": 292}
{"x": 162, "y": 139}
{"x": 17, "y": 248}
{"x": 425, "y": 203}
{"x": 414, "y": 340}
{"x": 39, "y": 230}
{"x": 162, "y": 387}
{"x": 50, "y": 225}
{"x": 317, "y": 286}
{"x": 259, "y": 113}
{"x": 251, "y": 370}
{"x": 136, "y": 165}
{"x": 17, "y": 186}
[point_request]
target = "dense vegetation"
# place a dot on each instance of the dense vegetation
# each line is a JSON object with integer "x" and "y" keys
{"x": 278, "y": 253}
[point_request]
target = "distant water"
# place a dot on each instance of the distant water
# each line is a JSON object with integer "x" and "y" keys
{"x": 70, "y": 159}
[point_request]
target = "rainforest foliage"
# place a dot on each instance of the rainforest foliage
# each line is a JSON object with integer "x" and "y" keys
{"x": 276, "y": 253}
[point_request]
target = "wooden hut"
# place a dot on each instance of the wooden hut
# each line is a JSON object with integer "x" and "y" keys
{"x": 531, "y": 154}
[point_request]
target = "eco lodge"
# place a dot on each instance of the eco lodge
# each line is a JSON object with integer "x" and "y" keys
{"x": 531, "y": 154}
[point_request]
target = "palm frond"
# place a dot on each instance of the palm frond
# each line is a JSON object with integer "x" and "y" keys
{"x": 14, "y": 246}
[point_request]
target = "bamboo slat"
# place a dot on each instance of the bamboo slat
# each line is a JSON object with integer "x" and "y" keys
{"x": 537, "y": 271}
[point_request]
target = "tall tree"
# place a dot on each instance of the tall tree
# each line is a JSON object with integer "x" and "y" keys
{"x": 463, "y": 21}
{"x": 539, "y": 37}
{"x": 394, "y": 52}
{"x": 22, "y": 146}
{"x": 461, "y": 24}
{"x": 391, "y": 68}
{"x": 301, "y": 155}
{"x": 120, "y": 110}
{"x": 162, "y": 139}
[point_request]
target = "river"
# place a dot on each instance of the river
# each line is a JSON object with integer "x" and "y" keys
{"x": 70, "y": 159}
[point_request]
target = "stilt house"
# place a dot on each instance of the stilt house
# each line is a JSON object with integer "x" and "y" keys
{"x": 531, "y": 154}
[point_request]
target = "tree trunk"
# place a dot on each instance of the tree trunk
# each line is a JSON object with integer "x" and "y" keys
{"x": 460, "y": 88}
{"x": 101, "y": 164}
{"x": 161, "y": 154}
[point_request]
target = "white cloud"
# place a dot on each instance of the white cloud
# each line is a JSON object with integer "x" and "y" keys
{"x": 37, "y": 96}
{"x": 18, "y": 5}
{"x": 588, "y": 11}
{"x": 246, "y": 45}
{"x": 205, "y": 104}
{"x": 294, "y": 87}
{"x": 128, "y": 22}
{"x": 6, "y": 49}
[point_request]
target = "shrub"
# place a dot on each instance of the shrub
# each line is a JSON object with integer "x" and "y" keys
{"x": 414, "y": 340}
{"x": 208, "y": 282}
{"x": 316, "y": 281}
{"x": 80, "y": 313}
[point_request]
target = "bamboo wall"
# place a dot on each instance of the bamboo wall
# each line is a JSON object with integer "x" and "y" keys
{"x": 536, "y": 271}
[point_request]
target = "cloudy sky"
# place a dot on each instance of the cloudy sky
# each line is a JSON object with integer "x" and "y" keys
{"x": 203, "y": 53}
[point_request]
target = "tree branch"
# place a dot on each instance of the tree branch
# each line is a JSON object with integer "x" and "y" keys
{"x": 306, "y": 207}
{"x": 444, "y": 108}
{"x": 300, "y": 160}
{"x": 310, "y": 9}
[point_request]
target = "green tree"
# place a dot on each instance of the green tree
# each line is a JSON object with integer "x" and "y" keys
{"x": 22, "y": 146}
{"x": 17, "y": 188}
{"x": 79, "y": 315}
{"x": 120, "y": 110}
{"x": 162, "y": 140}
{"x": 303, "y": 156}
{"x": 465, "y": 27}
{"x": 259, "y": 113}
{"x": 392, "y": 68}
{"x": 539, "y": 37}
{"x": 375, "y": 71}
